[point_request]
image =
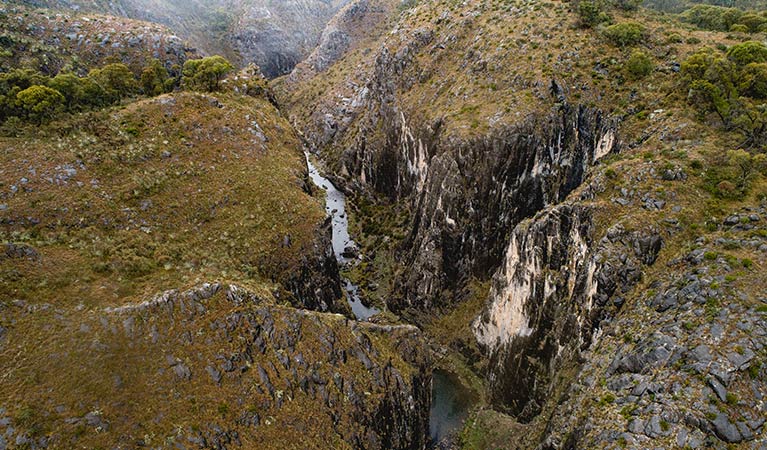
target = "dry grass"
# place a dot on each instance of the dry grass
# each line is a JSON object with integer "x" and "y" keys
{"x": 162, "y": 193}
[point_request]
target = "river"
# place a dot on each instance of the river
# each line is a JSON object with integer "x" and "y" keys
{"x": 451, "y": 401}
{"x": 335, "y": 206}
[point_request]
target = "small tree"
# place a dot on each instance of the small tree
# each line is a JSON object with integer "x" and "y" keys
{"x": 753, "y": 22}
{"x": 628, "y": 5}
{"x": 754, "y": 80}
{"x": 20, "y": 79}
{"x": 93, "y": 94}
{"x": 746, "y": 166}
{"x": 154, "y": 78}
{"x": 205, "y": 74}
{"x": 733, "y": 87}
{"x": 711, "y": 17}
{"x": 116, "y": 80}
{"x": 70, "y": 86}
{"x": 747, "y": 53}
{"x": 590, "y": 13}
{"x": 40, "y": 103}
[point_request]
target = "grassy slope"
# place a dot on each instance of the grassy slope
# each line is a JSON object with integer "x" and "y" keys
{"x": 156, "y": 194}
{"x": 121, "y": 204}
{"x": 95, "y": 379}
{"x": 492, "y": 62}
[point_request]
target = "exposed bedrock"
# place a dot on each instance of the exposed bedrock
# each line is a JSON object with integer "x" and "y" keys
{"x": 557, "y": 283}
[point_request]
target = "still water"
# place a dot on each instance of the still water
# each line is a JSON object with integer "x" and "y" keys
{"x": 450, "y": 405}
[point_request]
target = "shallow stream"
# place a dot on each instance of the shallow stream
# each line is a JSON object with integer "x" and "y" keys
{"x": 335, "y": 205}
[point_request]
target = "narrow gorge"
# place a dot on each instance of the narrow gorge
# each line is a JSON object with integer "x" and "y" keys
{"x": 383, "y": 224}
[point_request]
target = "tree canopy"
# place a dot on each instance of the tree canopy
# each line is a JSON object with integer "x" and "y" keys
{"x": 733, "y": 86}
{"x": 205, "y": 74}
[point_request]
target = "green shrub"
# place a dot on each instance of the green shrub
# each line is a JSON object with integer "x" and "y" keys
{"x": 606, "y": 399}
{"x": 625, "y": 33}
{"x": 731, "y": 86}
{"x": 753, "y": 22}
{"x": 674, "y": 38}
{"x": 753, "y": 80}
{"x": 747, "y": 53}
{"x": 739, "y": 28}
{"x": 40, "y": 103}
{"x": 154, "y": 79}
{"x": 711, "y": 17}
{"x": 116, "y": 81}
{"x": 591, "y": 13}
{"x": 628, "y": 5}
{"x": 639, "y": 65}
{"x": 732, "y": 174}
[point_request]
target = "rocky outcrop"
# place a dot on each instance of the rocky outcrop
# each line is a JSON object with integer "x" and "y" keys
{"x": 244, "y": 374}
{"x": 468, "y": 195}
{"x": 278, "y": 35}
{"x": 50, "y": 42}
{"x": 353, "y": 26}
{"x": 555, "y": 287}
{"x": 465, "y": 194}
{"x": 316, "y": 284}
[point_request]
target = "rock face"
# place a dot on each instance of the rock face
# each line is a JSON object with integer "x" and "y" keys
{"x": 465, "y": 194}
{"x": 253, "y": 375}
{"x": 468, "y": 195}
{"x": 679, "y": 367}
{"x": 548, "y": 298}
{"x": 349, "y": 29}
{"x": 277, "y": 35}
{"x": 317, "y": 284}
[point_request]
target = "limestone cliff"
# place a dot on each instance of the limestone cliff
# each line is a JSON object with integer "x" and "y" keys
{"x": 554, "y": 288}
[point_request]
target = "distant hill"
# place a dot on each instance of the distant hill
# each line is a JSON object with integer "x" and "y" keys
{"x": 275, "y": 35}
{"x": 48, "y": 42}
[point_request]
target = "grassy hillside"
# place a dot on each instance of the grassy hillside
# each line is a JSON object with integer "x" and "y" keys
{"x": 479, "y": 66}
{"x": 146, "y": 251}
{"x": 272, "y": 34}
{"x": 211, "y": 367}
{"x": 154, "y": 195}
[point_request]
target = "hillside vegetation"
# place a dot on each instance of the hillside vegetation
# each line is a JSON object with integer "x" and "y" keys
{"x": 561, "y": 203}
